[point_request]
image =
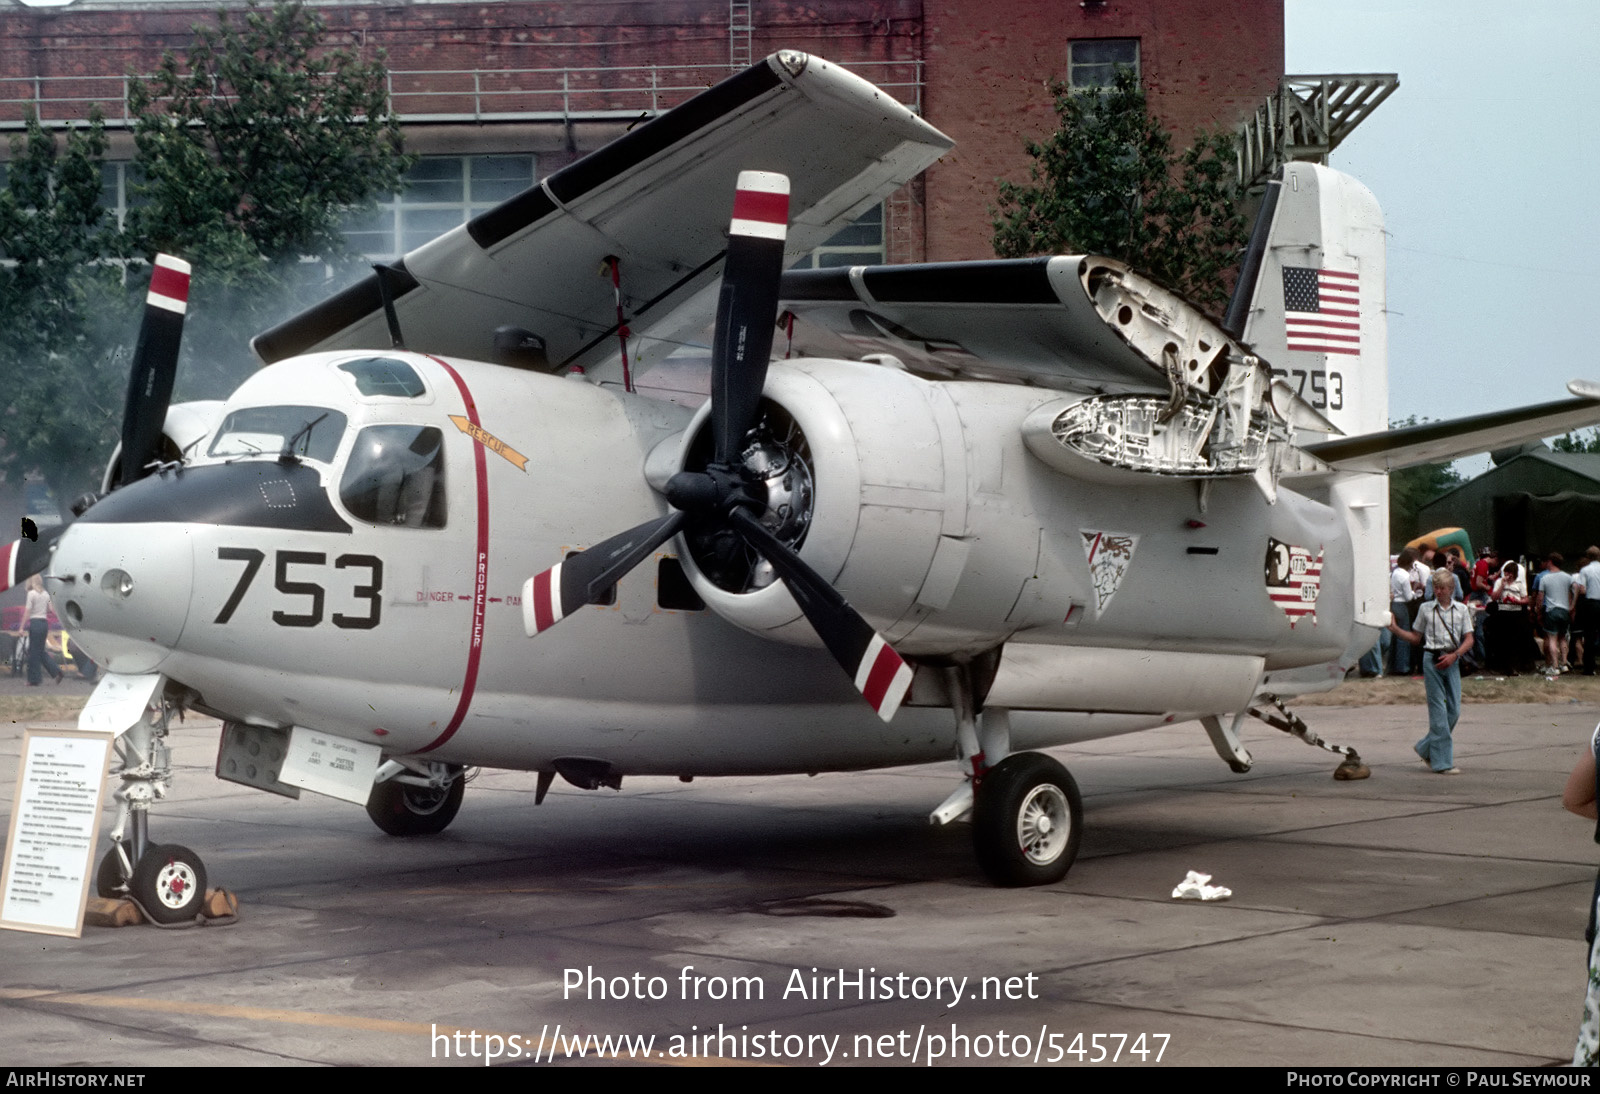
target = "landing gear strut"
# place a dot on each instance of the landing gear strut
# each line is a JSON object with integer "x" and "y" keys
{"x": 1027, "y": 814}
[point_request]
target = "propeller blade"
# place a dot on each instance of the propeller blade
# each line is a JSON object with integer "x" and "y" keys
{"x": 22, "y": 558}
{"x": 155, "y": 365}
{"x": 583, "y": 578}
{"x": 880, "y": 674}
{"x": 747, "y": 307}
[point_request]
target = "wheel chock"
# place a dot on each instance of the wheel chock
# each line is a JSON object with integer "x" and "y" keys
{"x": 106, "y": 912}
{"x": 1352, "y": 769}
{"x": 219, "y": 904}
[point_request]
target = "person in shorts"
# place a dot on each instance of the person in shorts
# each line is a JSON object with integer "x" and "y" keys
{"x": 1555, "y": 600}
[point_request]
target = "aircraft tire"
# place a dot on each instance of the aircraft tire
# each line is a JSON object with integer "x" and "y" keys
{"x": 404, "y": 810}
{"x": 170, "y": 883}
{"x": 108, "y": 878}
{"x": 1027, "y": 821}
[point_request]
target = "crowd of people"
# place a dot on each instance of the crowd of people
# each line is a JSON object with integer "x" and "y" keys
{"x": 1546, "y": 620}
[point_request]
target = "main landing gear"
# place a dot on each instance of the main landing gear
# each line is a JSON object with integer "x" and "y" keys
{"x": 1027, "y": 814}
{"x": 416, "y": 799}
{"x": 1027, "y": 821}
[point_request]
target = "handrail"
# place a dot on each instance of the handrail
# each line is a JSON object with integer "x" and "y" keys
{"x": 448, "y": 95}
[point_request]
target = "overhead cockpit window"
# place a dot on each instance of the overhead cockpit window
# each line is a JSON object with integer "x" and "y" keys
{"x": 310, "y": 432}
{"x": 395, "y": 475}
{"x": 384, "y": 376}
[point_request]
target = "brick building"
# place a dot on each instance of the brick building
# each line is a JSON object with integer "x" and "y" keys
{"x": 495, "y": 95}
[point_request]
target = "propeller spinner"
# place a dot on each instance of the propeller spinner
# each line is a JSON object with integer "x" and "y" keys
{"x": 725, "y": 500}
{"x": 155, "y": 367}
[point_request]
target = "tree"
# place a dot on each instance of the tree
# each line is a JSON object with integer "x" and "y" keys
{"x": 61, "y": 307}
{"x": 1107, "y": 182}
{"x": 253, "y": 148}
{"x": 1578, "y": 441}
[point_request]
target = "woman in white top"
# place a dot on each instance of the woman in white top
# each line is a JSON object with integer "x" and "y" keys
{"x": 1511, "y": 642}
{"x": 37, "y": 614}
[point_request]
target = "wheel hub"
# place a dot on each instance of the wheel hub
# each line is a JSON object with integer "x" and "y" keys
{"x": 1043, "y": 825}
{"x": 175, "y": 884}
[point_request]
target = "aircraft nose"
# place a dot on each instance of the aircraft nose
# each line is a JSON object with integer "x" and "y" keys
{"x": 122, "y": 591}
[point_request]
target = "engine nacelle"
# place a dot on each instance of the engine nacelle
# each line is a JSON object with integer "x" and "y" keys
{"x": 185, "y": 424}
{"x": 870, "y": 483}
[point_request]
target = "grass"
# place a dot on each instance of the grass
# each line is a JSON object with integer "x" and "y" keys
{"x": 40, "y": 708}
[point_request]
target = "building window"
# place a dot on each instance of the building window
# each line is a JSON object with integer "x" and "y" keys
{"x": 859, "y": 243}
{"x": 441, "y": 193}
{"x": 1093, "y": 62}
{"x": 117, "y": 184}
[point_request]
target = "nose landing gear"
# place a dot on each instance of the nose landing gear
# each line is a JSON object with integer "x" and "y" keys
{"x": 166, "y": 880}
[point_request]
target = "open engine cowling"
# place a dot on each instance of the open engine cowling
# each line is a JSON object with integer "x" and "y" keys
{"x": 184, "y": 424}
{"x": 868, "y": 481}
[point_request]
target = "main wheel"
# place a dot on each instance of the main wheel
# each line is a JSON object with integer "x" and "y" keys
{"x": 170, "y": 881}
{"x": 1027, "y": 821}
{"x": 404, "y": 810}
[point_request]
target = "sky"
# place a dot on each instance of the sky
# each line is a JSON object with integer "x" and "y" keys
{"x": 1486, "y": 162}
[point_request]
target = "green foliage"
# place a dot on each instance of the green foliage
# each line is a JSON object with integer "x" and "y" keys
{"x": 1578, "y": 441}
{"x": 1107, "y": 182}
{"x": 60, "y": 307}
{"x": 253, "y": 146}
{"x": 1411, "y": 488}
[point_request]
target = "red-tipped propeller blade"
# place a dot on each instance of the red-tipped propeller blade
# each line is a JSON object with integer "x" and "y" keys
{"x": 583, "y": 578}
{"x": 155, "y": 366}
{"x": 22, "y": 558}
{"x": 880, "y": 674}
{"x": 747, "y": 307}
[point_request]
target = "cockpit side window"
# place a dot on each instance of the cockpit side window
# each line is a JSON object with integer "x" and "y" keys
{"x": 395, "y": 475}
{"x": 311, "y": 432}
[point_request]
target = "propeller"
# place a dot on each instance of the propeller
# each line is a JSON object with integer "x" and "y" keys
{"x": 155, "y": 367}
{"x": 722, "y": 504}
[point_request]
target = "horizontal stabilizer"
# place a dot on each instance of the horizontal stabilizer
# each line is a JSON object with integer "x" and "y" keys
{"x": 1436, "y": 442}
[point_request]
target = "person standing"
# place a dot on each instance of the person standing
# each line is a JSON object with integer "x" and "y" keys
{"x": 1400, "y": 608}
{"x": 37, "y": 613}
{"x": 1512, "y": 631}
{"x": 1587, "y": 621}
{"x": 1556, "y": 593}
{"x": 1444, "y": 630}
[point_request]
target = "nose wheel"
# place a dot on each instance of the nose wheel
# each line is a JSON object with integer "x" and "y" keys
{"x": 1027, "y": 821}
{"x": 169, "y": 882}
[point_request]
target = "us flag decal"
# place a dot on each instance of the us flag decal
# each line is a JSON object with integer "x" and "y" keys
{"x": 1294, "y": 580}
{"x": 1322, "y": 310}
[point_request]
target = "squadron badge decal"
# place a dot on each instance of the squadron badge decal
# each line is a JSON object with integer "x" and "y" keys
{"x": 1110, "y": 555}
{"x": 1294, "y": 580}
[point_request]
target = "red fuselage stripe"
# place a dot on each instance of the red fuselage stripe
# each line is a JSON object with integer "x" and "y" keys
{"x": 480, "y": 568}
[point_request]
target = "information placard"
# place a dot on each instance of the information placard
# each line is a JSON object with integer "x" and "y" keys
{"x": 44, "y": 886}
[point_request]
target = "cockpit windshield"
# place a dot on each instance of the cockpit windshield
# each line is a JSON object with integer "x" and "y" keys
{"x": 311, "y": 432}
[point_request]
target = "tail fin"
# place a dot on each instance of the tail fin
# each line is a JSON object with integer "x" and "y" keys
{"x": 1312, "y": 304}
